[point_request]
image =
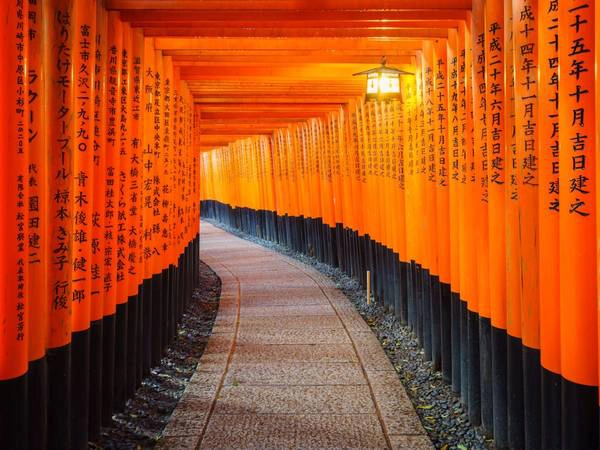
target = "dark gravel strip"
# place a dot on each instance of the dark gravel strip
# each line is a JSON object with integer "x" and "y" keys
{"x": 148, "y": 412}
{"x": 439, "y": 409}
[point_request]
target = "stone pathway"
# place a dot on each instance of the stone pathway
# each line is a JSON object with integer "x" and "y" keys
{"x": 290, "y": 364}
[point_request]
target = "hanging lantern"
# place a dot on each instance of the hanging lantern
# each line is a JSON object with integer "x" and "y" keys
{"x": 383, "y": 83}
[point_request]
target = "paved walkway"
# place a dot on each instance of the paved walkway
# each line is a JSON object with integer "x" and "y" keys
{"x": 290, "y": 364}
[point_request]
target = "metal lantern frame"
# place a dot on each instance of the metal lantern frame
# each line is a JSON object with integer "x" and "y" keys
{"x": 383, "y": 82}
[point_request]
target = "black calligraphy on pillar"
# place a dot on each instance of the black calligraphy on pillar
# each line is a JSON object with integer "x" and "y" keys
{"x": 166, "y": 166}
{"x": 157, "y": 179}
{"x": 495, "y": 103}
{"x": 148, "y": 164}
{"x": 550, "y": 150}
{"x": 61, "y": 197}
{"x": 21, "y": 127}
{"x": 124, "y": 157}
{"x": 135, "y": 167}
{"x": 35, "y": 219}
{"x": 98, "y": 164}
{"x": 455, "y": 167}
{"x": 580, "y": 79}
{"x": 512, "y": 172}
{"x": 462, "y": 115}
{"x": 527, "y": 93}
{"x": 111, "y": 180}
{"x": 481, "y": 109}
{"x": 441, "y": 112}
{"x": 82, "y": 181}
{"x": 411, "y": 138}
{"x": 430, "y": 118}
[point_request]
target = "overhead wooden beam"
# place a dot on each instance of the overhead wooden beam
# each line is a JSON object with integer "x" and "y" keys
{"x": 270, "y": 93}
{"x": 217, "y": 59}
{"x": 307, "y": 25}
{"x": 272, "y": 99}
{"x": 236, "y": 130}
{"x": 253, "y": 66}
{"x": 271, "y": 117}
{"x": 309, "y": 5}
{"x": 268, "y": 44}
{"x": 240, "y": 98}
{"x": 407, "y": 49}
{"x": 255, "y": 32}
{"x": 269, "y": 90}
{"x": 222, "y": 140}
{"x": 256, "y": 72}
{"x": 296, "y": 17}
{"x": 307, "y": 83}
{"x": 254, "y": 108}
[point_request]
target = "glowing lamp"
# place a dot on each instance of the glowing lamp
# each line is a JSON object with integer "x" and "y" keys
{"x": 383, "y": 82}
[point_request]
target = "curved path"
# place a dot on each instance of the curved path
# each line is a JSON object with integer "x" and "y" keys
{"x": 290, "y": 364}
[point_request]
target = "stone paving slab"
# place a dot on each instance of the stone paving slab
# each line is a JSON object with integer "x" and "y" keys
{"x": 285, "y": 298}
{"x": 277, "y": 431}
{"x": 295, "y": 374}
{"x": 294, "y": 353}
{"x": 288, "y": 311}
{"x": 295, "y": 400}
{"x": 290, "y": 364}
{"x": 320, "y": 336}
{"x": 289, "y": 323}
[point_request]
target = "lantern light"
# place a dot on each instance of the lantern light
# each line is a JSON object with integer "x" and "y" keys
{"x": 383, "y": 82}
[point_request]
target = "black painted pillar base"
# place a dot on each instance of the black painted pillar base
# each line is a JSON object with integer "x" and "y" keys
{"x": 37, "y": 380}
{"x": 499, "y": 387}
{"x": 120, "y": 385}
{"x": 579, "y": 416}
{"x": 474, "y": 394}
{"x": 108, "y": 368}
{"x": 157, "y": 317}
{"x": 132, "y": 345}
{"x": 551, "y": 407}
{"x": 532, "y": 397}
{"x": 464, "y": 353}
{"x": 426, "y": 308}
{"x": 436, "y": 322}
{"x": 96, "y": 356}
{"x": 514, "y": 388}
{"x": 404, "y": 291}
{"x": 146, "y": 321}
{"x": 80, "y": 389}
{"x": 446, "y": 331}
{"x": 485, "y": 372}
{"x": 456, "y": 342}
{"x": 59, "y": 397}
{"x": 412, "y": 296}
{"x": 14, "y": 414}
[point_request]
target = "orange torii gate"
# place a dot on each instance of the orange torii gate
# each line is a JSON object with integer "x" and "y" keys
{"x": 75, "y": 287}
{"x": 471, "y": 201}
{"x": 495, "y": 286}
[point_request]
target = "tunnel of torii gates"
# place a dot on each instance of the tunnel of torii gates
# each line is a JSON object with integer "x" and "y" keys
{"x": 471, "y": 199}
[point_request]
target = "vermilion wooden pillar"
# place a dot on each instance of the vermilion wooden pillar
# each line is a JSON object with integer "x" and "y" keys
{"x": 37, "y": 179}
{"x": 496, "y": 163}
{"x": 60, "y": 39}
{"x": 548, "y": 210}
{"x": 114, "y": 48}
{"x": 82, "y": 195}
{"x": 513, "y": 269}
{"x": 481, "y": 195}
{"x": 578, "y": 265}
{"x": 526, "y": 24}
{"x": 96, "y": 238}
{"x": 14, "y": 307}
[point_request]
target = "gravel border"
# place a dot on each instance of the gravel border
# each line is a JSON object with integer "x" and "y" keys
{"x": 440, "y": 410}
{"x": 145, "y": 416}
